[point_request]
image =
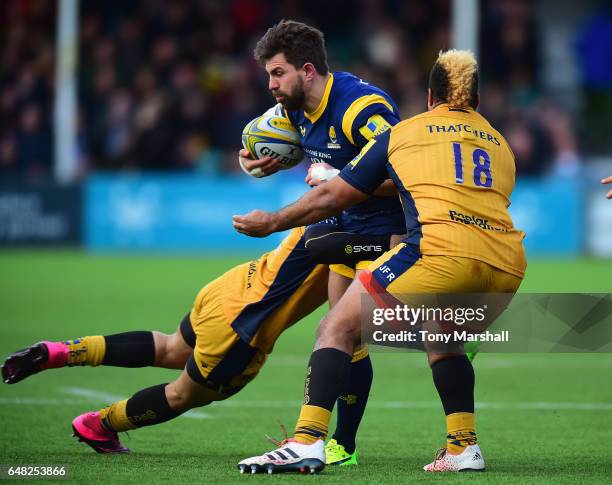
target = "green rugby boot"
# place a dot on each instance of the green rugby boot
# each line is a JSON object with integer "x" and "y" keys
{"x": 335, "y": 454}
{"x": 471, "y": 349}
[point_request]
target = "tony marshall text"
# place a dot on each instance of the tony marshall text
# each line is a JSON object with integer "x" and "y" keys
{"x": 455, "y": 336}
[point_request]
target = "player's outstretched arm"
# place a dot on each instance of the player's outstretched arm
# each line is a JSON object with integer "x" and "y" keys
{"x": 324, "y": 201}
{"x": 608, "y": 180}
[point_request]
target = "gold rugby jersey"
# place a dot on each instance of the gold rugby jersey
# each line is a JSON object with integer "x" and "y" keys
{"x": 455, "y": 174}
{"x": 264, "y": 297}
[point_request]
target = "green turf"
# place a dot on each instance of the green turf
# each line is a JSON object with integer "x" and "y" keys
{"x": 56, "y": 295}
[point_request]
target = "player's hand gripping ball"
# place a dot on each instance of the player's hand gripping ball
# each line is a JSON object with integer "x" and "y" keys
{"x": 272, "y": 135}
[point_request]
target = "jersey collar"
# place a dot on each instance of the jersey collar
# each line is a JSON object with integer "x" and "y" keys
{"x": 316, "y": 114}
{"x": 445, "y": 106}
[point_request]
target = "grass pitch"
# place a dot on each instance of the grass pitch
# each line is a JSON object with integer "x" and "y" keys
{"x": 542, "y": 418}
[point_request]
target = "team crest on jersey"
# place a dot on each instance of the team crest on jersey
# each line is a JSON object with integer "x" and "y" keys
{"x": 302, "y": 130}
{"x": 332, "y": 134}
{"x": 333, "y": 139}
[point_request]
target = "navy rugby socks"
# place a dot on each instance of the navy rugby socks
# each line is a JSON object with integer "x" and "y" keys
{"x": 352, "y": 403}
{"x": 326, "y": 377}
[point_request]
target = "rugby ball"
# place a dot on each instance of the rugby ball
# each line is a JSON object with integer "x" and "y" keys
{"x": 272, "y": 135}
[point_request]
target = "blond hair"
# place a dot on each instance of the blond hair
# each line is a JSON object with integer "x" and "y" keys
{"x": 454, "y": 78}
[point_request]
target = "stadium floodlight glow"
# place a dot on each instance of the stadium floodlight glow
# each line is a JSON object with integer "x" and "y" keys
{"x": 65, "y": 164}
{"x": 465, "y": 25}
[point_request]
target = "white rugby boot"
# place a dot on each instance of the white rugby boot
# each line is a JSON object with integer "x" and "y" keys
{"x": 291, "y": 456}
{"x": 470, "y": 460}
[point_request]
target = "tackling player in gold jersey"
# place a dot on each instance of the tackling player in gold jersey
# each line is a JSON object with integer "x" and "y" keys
{"x": 455, "y": 174}
{"x": 220, "y": 345}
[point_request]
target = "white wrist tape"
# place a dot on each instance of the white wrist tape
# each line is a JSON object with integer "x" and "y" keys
{"x": 322, "y": 173}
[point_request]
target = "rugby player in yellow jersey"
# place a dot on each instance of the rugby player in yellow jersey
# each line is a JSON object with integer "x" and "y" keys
{"x": 455, "y": 174}
{"x": 220, "y": 345}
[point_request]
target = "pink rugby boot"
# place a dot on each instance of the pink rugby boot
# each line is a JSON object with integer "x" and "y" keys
{"x": 31, "y": 360}
{"x": 88, "y": 429}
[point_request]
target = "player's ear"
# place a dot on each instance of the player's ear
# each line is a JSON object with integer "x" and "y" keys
{"x": 309, "y": 71}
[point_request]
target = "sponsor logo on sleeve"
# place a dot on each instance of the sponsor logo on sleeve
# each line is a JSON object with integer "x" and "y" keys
{"x": 374, "y": 126}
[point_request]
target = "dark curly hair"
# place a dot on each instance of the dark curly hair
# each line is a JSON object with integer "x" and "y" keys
{"x": 299, "y": 42}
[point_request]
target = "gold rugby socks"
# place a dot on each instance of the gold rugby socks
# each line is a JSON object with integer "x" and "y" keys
{"x": 312, "y": 424}
{"x": 461, "y": 428}
{"x": 128, "y": 349}
{"x": 114, "y": 417}
{"x": 86, "y": 350}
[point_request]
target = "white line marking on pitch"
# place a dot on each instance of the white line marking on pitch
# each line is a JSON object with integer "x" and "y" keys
{"x": 92, "y": 394}
{"x": 88, "y": 396}
{"x": 40, "y": 401}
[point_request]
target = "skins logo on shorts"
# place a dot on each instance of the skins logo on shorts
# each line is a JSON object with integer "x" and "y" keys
{"x": 302, "y": 131}
{"x": 348, "y": 249}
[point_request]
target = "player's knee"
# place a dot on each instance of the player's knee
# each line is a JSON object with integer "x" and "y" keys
{"x": 177, "y": 351}
{"x": 338, "y": 333}
{"x": 171, "y": 351}
{"x": 323, "y": 330}
{"x": 161, "y": 341}
{"x": 178, "y": 397}
{"x": 182, "y": 397}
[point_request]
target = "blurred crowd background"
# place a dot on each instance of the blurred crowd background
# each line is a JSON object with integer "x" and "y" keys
{"x": 168, "y": 85}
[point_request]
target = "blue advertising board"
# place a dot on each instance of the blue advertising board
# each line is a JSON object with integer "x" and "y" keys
{"x": 184, "y": 212}
{"x": 552, "y": 213}
{"x": 178, "y": 212}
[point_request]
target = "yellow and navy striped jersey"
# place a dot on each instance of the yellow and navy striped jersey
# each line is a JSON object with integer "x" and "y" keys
{"x": 350, "y": 113}
{"x": 455, "y": 174}
{"x": 264, "y": 297}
